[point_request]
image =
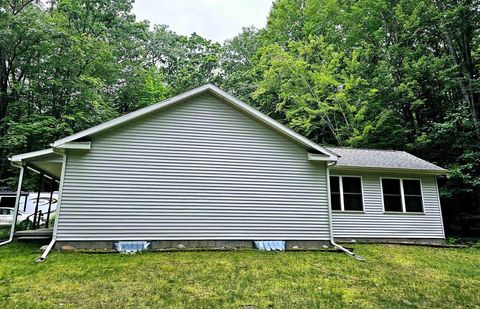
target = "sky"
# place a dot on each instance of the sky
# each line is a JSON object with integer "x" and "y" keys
{"x": 216, "y": 20}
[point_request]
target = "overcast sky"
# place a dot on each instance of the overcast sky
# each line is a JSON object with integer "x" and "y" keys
{"x": 216, "y": 20}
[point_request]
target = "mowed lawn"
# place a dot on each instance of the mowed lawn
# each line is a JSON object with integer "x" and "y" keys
{"x": 392, "y": 277}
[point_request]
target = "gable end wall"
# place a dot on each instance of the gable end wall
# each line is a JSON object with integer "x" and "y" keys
{"x": 198, "y": 171}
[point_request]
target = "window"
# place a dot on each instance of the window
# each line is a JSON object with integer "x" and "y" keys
{"x": 412, "y": 192}
{"x": 346, "y": 193}
{"x": 392, "y": 196}
{"x": 335, "y": 193}
{"x": 7, "y": 201}
{"x": 402, "y": 195}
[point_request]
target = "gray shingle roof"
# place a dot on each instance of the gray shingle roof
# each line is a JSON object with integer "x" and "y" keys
{"x": 389, "y": 159}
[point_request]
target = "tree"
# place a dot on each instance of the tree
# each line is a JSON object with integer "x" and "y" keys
{"x": 21, "y": 30}
{"x": 319, "y": 89}
{"x": 186, "y": 62}
{"x": 238, "y": 58}
{"x": 65, "y": 69}
{"x": 458, "y": 22}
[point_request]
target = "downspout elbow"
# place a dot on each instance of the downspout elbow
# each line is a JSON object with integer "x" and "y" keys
{"x": 43, "y": 257}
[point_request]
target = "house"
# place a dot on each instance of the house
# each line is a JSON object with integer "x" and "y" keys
{"x": 205, "y": 169}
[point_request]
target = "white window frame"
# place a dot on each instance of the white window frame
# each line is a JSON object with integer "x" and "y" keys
{"x": 402, "y": 196}
{"x": 342, "y": 203}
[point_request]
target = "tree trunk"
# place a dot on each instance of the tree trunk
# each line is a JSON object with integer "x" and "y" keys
{"x": 3, "y": 87}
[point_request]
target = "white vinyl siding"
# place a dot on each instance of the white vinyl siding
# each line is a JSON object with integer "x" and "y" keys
{"x": 375, "y": 223}
{"x": 197, "y": 171}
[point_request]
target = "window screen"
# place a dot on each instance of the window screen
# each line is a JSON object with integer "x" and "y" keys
{"x": 335, "y": 193}
{"x": 413, "y": 195}
{"x": 392, "y": 196}
{"x": 352, "y": 193}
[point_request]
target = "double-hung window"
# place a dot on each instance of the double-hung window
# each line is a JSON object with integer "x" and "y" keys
{"x": 402, "y": 195}
{"x": 346, "y": 193}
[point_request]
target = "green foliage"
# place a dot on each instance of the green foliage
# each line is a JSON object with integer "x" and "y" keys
{"x": 141, "y": 89}
{"x": 237, "y": 62}
{"x": 4, "y": 232}
{"x": 319, "y": 90}
{"x": 187, "y": 62}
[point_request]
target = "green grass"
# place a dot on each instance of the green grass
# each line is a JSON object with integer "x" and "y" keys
{"x": 393, "y": 276}
{"x": 4, "y": 232}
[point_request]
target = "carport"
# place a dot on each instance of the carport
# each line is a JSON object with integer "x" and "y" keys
{"x": 47, "y": 164}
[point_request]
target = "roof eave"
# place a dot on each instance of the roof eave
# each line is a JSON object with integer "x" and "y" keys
{"x": 17, "y": 159}
{"x": 321, "y": 158}
{"x": 437, "y": 172}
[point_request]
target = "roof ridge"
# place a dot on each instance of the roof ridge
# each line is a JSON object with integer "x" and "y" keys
{"x": 370, "y": 149}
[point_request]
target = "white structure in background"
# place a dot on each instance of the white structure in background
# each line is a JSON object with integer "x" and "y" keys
{"x": 6, "y": 216}
{"x": 27, "y": 207}
{"x": 42, "y": 203}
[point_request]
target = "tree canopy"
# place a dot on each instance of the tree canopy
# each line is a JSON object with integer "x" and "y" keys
{"x": 388, "y": 74}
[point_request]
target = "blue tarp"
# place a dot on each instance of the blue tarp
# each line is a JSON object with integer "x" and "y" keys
{"x": 131, "y": 246}
{"x": 270, "y": 245}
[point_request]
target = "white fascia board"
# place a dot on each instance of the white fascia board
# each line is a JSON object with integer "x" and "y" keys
{"x": 29, "y": 155}
{"x": 75, "y": 146}
{"x": 187, "y": 95}
{"x": 389, "y": 169}
{"x": 321, "y": 157}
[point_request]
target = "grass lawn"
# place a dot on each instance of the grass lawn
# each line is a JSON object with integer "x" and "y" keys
{"x": 4, "y": 232}
{"x": 393, "y": 276}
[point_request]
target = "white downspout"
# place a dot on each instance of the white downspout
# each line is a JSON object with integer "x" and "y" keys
{"x": 330, "y": 221}
{"x": 43, "y": 257}
{"x": 17, "y": 205}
